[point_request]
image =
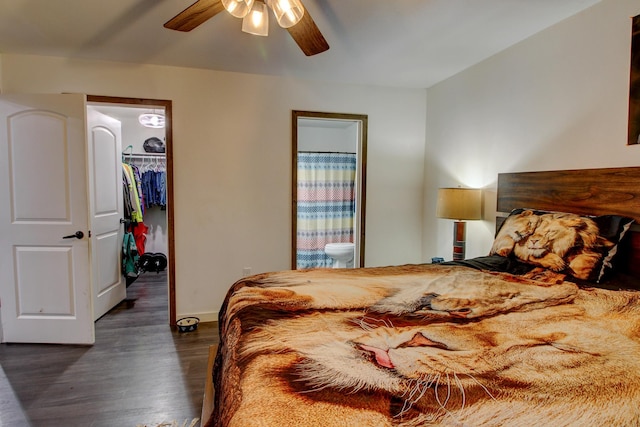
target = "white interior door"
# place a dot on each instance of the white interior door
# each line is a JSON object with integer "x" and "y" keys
{"x": 45, "y": 287}
{"x": 104, "y": 139}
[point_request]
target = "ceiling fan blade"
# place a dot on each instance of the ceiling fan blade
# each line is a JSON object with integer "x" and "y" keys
{"x": 194, "y": 15}
{"x": 308, "y": 36}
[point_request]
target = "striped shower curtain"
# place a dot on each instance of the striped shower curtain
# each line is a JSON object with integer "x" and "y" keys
{"x": 326, "y": 205}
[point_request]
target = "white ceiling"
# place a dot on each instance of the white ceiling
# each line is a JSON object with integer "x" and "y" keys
{"x": 402, "y": 43}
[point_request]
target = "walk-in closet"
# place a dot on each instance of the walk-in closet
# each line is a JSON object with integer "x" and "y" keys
{"x": 145, "y": 250}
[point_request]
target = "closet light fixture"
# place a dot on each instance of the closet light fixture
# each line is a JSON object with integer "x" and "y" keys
{"x": 151, "y": 120}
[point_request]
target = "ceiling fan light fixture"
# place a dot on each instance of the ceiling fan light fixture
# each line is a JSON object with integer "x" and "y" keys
{"x": 257, "y": 21}
{"x": 287, "y": 12}
{"x": 151, "y": 120}
{"x": 238, "y": 8}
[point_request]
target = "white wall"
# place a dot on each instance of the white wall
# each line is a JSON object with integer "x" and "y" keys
{"x": 328, "y": 139}
{"x": 558, "y": 100}
{"x": 232, "y": 161}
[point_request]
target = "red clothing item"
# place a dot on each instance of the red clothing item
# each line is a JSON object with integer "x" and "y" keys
{"x": 140, "y": 235}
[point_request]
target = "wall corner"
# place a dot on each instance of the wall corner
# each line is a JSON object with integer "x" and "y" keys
{"x": 0, "y": 86}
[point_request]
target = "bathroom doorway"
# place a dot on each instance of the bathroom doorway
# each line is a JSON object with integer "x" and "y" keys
{"x": 328, "y": 187}
{"x": 158, "y": 216}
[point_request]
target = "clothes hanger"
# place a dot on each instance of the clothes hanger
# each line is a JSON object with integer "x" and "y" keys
{"x": 124, "y": 152}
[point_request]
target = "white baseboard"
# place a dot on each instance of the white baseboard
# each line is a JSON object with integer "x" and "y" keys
{"x": 209, "y": 316}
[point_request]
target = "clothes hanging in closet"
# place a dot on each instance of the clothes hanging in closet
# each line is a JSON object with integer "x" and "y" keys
{"x": 133, "y": 208}
{"x": 151, "y": 171}
{"x": 144, "y": 186}
{"x": 154, "y": 187}
{"x": 130, "y": 256}
{"x": 132, "y": 193}
{"x": 140, "y": 230}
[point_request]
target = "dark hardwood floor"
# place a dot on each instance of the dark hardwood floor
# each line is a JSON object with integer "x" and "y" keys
{"x": 140, "y": 372}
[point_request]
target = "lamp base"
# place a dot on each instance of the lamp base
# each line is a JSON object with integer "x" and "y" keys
{"x": 459, "y": 240}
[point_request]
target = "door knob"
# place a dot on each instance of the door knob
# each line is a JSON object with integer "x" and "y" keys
{"x": 77, "y": 235}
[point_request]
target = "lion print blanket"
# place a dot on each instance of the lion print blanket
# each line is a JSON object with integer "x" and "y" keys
{"x": 425, "y": 345}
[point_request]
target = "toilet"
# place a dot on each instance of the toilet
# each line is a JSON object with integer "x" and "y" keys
{"x": 342, "y": 254}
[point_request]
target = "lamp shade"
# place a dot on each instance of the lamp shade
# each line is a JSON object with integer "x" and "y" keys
{"x": 238, "y": 8}
{"x": 459, "y": 203}
{"x": 257, "y": 21}
{"x": 287, "y": 12}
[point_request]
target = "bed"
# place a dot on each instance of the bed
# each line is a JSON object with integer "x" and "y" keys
{"x": 544, "y": 330}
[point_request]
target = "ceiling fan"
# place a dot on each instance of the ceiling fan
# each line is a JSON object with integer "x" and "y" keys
{"x": 290, "y": 15}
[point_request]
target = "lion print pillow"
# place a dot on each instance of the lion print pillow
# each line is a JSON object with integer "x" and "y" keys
{"x": 581, "y": 246}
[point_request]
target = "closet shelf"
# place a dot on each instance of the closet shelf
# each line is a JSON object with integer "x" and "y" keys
{"x": 154, "y": 155}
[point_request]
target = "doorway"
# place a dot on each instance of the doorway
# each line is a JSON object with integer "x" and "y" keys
{"x": 329, "y": 152}
{"x": 160, "y": 217}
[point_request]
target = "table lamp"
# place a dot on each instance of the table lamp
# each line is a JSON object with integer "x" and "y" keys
{"x": 459, "y": 204}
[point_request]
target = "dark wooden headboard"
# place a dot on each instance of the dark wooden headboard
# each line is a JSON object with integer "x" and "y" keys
{"x": 610, "y": 191}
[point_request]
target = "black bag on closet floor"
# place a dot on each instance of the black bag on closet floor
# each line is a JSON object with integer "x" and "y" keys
{"x": 152, "y": 262}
